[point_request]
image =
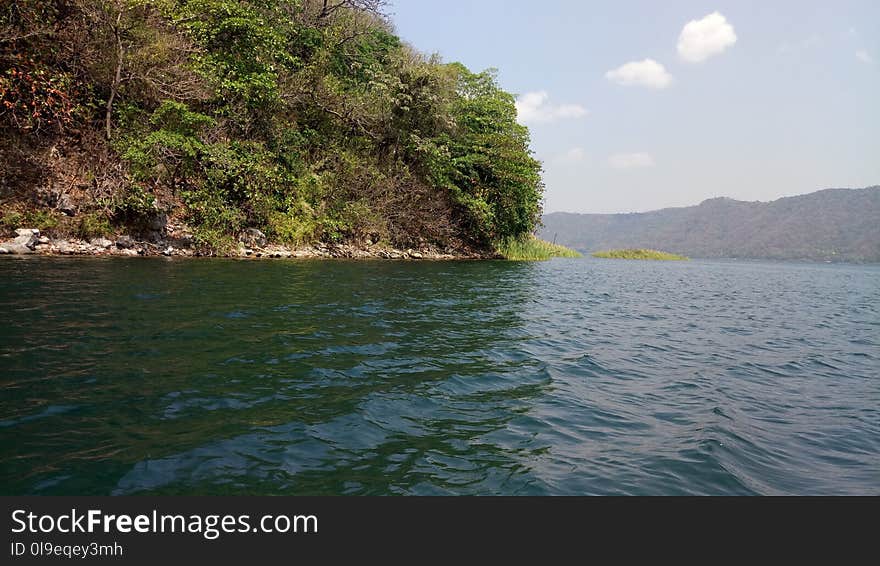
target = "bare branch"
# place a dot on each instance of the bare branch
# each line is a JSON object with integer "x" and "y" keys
{"x": 328, "y": 8}
{"x": 12, "y": 38}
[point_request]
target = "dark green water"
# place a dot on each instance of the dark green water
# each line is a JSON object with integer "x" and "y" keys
{"x": 565, "y": 377}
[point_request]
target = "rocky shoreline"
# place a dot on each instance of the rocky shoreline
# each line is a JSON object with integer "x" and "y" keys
{"x": 253, "y": 245}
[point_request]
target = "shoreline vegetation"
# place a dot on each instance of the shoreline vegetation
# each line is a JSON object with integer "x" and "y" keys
{"x": 641, "y": 254}
{"x": 245, "y": 128}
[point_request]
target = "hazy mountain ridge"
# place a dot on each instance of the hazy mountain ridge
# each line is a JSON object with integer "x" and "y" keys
{"x": 831, "y": 224}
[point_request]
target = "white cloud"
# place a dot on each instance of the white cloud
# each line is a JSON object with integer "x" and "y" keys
{"x": 647, "y": 73}
{"x": 573, "y": 155}
{"x": 864, "y": 56}
{"x": 532, "y": 108}
{"x": 701, "y": 39}
{"x": 631, "y": 160}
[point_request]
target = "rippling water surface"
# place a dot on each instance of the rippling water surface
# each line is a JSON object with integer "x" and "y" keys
{"x": 562, "y": 377}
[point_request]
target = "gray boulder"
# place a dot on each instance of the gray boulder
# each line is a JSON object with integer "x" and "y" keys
{"x": 124, "y": 242}
{"x": 17, "y": 249}
{"x": 186, "y": 241}
{"x": 64, "y": 247}
{"x": 27, "y": 237}
{"x": 66, "y": 205}
{"x": 101, "y": 242}
{"x": 253, "y": 238}
{"x": 159, "y": 222}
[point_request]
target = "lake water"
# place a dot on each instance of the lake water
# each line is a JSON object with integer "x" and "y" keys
{"x": 155, "y": 376}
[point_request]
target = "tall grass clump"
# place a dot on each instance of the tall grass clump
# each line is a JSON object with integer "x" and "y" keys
{"x": 531, "y": 248}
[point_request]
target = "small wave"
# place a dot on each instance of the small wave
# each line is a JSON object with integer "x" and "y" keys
{"x": 49, "y": 411}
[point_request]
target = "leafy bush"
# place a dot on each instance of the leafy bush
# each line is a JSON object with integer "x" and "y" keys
{"x": 10, "y": 220}
{"x": 36, "y": 98}
{"x": 93, "y": 224}
{"x": 131, "y": 205}
{"x": 172, "y": 151}
{"x": 292, "y": 228}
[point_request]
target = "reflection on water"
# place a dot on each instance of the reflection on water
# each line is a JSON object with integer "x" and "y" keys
{"x": 565, "y": 377}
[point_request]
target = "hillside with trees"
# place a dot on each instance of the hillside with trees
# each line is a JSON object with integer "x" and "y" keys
{"x": 307, "y": 120}
{"x": 828, "y": 225}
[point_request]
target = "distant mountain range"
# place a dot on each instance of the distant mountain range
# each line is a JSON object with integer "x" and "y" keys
{"x": 828, "y": 225}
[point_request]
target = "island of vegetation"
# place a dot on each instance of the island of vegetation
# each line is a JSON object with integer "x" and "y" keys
{"x": 262, "y": 128}
{"x": 639, "y": 254}
{"x": 532, "y": 248}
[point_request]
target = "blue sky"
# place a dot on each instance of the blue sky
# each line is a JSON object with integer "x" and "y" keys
{"x": 753, "y": 100}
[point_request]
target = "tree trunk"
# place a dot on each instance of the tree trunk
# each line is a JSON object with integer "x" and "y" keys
{"x": 117, "y": 77}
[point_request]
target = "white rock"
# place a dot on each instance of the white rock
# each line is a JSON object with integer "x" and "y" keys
{"x": 17, "y": 248}
{"x": 101, "y": 242}
{"x": 26, "y": 239}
